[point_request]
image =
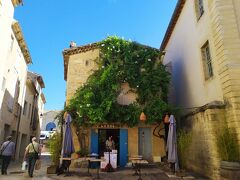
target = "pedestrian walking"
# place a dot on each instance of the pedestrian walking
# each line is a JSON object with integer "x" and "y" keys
{"x": 7, "y": 152}
{"x": 33, "y": 152}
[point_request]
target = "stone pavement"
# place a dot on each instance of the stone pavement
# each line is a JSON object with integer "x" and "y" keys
{"x": 152, "y": 173}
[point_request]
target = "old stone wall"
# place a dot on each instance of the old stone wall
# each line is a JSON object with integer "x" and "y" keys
{"x": 202, "y": 155}
{"x": 225, "y": 28}
{"x": 80, "y": 67}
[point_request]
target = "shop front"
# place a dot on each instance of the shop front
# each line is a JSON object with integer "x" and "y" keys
{"x": 128, "y": 142}
{"x": 99, "y": 136}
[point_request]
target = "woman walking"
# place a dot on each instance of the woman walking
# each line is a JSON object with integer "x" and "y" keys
{"x": 33, "y": 153}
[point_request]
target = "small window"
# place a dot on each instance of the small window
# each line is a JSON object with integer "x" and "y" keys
{"x": 199, "y": 8}
{"x": 3, "y": 84}
{"x": 86, "y": 63}
{"x": 207, "y": 61}
{"x": 25, "y": 108}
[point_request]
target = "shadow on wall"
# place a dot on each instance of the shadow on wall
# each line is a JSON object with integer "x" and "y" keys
{"x": 9, "y": 115}
{"x": 179, "y": 78}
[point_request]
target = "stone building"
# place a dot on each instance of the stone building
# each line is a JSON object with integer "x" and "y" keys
{"x": 34, "y": 102}
{"x": 49, "y": 122}
{"x": 79, "y": 63}
{"x": 13, "y": 72}
{"x": 202, "y": 45}
{"x": 16, "y": 90}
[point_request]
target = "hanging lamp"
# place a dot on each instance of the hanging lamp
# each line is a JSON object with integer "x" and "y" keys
{"x": 143, "y": 117}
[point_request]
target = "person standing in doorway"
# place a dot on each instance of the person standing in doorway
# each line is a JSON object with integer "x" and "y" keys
{"x": 110, "y": 145}
{"x": 7, "y": 151}
{"x": 32, "y": 151}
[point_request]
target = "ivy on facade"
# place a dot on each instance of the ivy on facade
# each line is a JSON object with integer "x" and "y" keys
{"x": 122, "y": 61}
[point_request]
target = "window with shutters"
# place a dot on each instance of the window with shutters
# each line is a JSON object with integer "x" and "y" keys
{"x": 207, "y": 61}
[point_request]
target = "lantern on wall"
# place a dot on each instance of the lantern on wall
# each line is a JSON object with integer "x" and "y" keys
{"x": 143, "y": 117}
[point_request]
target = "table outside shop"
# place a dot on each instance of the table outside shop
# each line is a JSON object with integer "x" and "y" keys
{"x": 67, "y": 159}
{"x": 99, "y": 164}
{"x": 137, "y": 163}
{"x": 90, "y": 160}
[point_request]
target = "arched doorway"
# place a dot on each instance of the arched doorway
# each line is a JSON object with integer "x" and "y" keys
{"x": 50, "y": 126}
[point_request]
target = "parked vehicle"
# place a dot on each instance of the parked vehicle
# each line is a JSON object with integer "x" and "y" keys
{"x": 43, "y": 137}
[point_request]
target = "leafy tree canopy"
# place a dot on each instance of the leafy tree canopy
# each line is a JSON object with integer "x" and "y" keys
{"x": 122, "y": 61}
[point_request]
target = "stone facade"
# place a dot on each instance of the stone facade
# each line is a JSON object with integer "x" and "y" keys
{"x": 79, "y": 63}
{"x": 49, "y": 117}
{"x": 80, "y": 66}
{"x": 16, "y": 93}
{"x": 207, "y": 104}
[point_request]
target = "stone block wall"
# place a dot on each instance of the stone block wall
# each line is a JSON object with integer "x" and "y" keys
{"x": 80, "y": 67}
{"x": 202, "y": 155}
{"x": 225, "y": 29}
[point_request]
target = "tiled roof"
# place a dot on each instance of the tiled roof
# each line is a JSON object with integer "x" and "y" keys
{"x": 21, "y": 42}
{"x": 173, "y": 22}
{"x": 17, "y": 2}
{"x": 36, "y": 76}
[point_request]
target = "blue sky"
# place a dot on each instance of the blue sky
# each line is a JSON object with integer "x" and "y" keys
{"x": 50, "y": 25}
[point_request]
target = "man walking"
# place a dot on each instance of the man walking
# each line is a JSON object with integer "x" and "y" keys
{"x": 32, "y": 151}
{"x": 7, "y": 151}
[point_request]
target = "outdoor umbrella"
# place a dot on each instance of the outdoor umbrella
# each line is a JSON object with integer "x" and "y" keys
{"x": 172, "y": 143}
{"x": 68, "y": 147}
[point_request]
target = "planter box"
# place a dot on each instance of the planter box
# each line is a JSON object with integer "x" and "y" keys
{"x": 230, "y": 170}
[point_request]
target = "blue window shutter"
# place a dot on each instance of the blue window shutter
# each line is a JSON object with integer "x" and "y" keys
{"x": 94, "y": 142}
{"x": 123, "y": 147}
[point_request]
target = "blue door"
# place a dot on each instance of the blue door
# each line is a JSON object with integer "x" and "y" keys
{"x": 94, "y": 141}
{"x": 123, "y": 147}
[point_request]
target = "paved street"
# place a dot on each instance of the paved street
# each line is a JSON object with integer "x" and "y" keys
{"x": 153, "y": 173}
{"x": 15, "y": 172}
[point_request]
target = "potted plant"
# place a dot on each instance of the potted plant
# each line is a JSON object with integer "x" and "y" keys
{"x": 54, "y": 145}
{"x": 82, "y": 152}
{"x": 229, "y": 152}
